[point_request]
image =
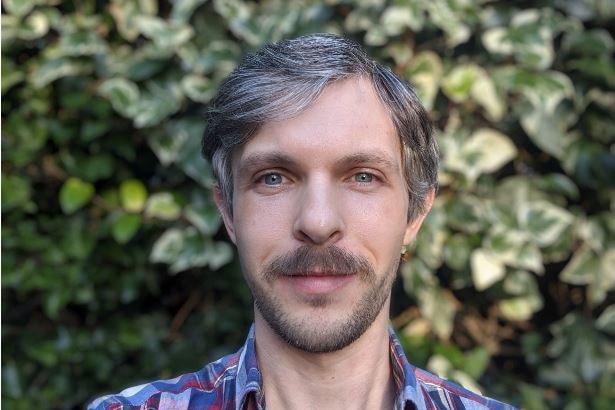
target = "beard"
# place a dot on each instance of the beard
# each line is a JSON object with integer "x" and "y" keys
{"x": 316, "y": 334}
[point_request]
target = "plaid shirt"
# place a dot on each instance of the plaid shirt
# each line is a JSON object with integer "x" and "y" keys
{"x": 234, "y": 382}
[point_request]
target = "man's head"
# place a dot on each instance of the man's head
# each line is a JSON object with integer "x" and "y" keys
{"x": 326, "y": 167}
{"x": 281, "y": 80}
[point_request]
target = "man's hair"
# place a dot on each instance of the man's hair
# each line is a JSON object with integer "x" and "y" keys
{"x": 281, "y": 80}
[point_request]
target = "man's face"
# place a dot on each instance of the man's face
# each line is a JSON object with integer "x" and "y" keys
{"x": 319, "y": 217}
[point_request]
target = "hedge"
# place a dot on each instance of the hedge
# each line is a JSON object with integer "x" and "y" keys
{"x": 115, "y": 269}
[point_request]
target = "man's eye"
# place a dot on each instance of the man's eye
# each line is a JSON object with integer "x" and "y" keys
{"x": 272, "y": 179}
{"x": 364, "y": 177}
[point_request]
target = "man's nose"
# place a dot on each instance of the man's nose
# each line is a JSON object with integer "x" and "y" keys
{"x": 319, "y": 219}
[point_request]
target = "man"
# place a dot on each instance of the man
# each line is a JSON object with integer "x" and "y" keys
{"x": 326, "y": 167}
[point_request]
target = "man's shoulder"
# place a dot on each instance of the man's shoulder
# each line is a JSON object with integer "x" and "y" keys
{"x": 211, "y": 388}
{"x": 425, "y": 390}
{"x": 446, "y": 394}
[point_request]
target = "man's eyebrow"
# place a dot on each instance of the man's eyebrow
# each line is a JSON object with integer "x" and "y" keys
{"x": 279, "y": 159}
{"x": 260, "y": 159}
{"x": 367, "y": 158}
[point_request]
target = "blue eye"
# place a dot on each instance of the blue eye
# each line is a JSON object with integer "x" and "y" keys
{"x": 363, "y": 177}
{"x": 272, "y": 179}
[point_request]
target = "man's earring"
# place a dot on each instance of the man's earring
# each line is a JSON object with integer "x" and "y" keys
{"x": 405, "y": 253}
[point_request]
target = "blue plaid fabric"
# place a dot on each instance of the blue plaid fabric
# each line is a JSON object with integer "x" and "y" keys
{"x": 234, "y": 383}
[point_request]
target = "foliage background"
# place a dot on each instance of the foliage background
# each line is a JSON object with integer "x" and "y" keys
{"x": 114, "y": 267}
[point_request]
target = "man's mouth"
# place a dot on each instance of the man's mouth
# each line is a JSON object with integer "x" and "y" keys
{"x": 319, "y": 273}
{"x": 318, "y": 282}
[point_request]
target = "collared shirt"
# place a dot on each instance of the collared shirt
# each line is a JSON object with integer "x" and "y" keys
{"x": 234, "y": 382}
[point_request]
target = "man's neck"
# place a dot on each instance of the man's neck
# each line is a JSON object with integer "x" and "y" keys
{"x": 354, "y": 378}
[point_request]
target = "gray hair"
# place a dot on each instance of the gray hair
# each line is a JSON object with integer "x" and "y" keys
{"x": 281, "y": 80}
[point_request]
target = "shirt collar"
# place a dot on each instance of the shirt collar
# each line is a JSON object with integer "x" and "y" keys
{"x": 404, "y": 375}
{"x": 249, "y": 382}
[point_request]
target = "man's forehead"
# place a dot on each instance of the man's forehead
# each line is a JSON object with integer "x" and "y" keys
{"x": 346, "y": 115}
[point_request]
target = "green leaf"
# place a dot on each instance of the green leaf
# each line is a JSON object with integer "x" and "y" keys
{"x": 218, "y": 254}
{"x": 82, "y": 43}
{"x": 593, "y": 232}
{"x": 425, "y": 73}
{"x": 125, "y": 13}
{"x": 10, "y": 380}
{"x": 560, "y": 184}
{"x": 527, "y": 38}
{"x": 513, "y": 248}
{"x": 496, "y": 40}
{"x": 187, "y": 248}
{"x": 125, "y": 227}
{"x": 168, "y": 246}
{"x": 55, "y": 299}
{"x": 162, "y": 205}
{"x": 534, "y": 397}
{"x": 466, "y": 213}
{"x": 484, "y": 92}
{"x": 11, "y": 75}
{"x": 205, "y": 217}
{"x": 438, "y": 306}
{"x": 453, "y": 354}
{"x": 545, "y": 91}
{"x": 43, "y": 352}
{"x": 606, "y": 320}
{"x": 487, "y": 269}
{"x": 458, "y": 83}
{"x": 75, "y": 194}
{"x": 476, "y": 361}
{"x": 19, "y": 7}
{"x": 485, "y": 151}
{"x": 57, "y": 68}
{"x": 544, "y": 221}
{"x": 219, "y": 56}
{"x": 133, "y": 195}
{"x": 395, "y": 19}
{"x": 417, "y": 277}
{"x": 166, "y": 35}
{"x": 594, "y": 42}
{"x": 457, "y": 251}
{"x": 158, "y": 102}
{"x": 36, "y": 25}
{"x": 122, "y": 93}
{"x": 90, "y": 130}
{"x": 92, "y": 168}
{"x": 451, "y": 18}
{"x": 24, "y": 137}
{"x": 517, "y": 308}
{"x": 183, "y": 9}
{"x": 189, "y": 157}
{"x": 590, "y": 163}
{"x": 167, "y": 143}
{"x": 605, "y": 279}
{"x": 430, "y": 240}
{"x": 471, "y": 81}
{"x": 198, "y": 88}
{"x": 583, "y": 268}
{"x": 527, "y": 299}
{"x": 16, "y": 192}
{"x": 546, "y": 132}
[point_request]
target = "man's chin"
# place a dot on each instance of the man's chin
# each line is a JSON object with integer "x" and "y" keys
{"x": 318, "y": 328}
{"x": 319, "y": 339}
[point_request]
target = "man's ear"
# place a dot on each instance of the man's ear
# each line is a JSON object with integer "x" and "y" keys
{"x": 413, "y": 226}
{"x": 225, "y": 211}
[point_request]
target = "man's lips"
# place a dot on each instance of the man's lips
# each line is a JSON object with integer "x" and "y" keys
{"x": 319, "y": 274}
{"x": 318, "y": 282}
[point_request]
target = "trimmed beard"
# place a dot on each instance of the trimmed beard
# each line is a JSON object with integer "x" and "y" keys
{"x": 333, "y": 335}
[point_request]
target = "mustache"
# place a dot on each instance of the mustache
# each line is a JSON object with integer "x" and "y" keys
{"x": 307, "y": 260}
